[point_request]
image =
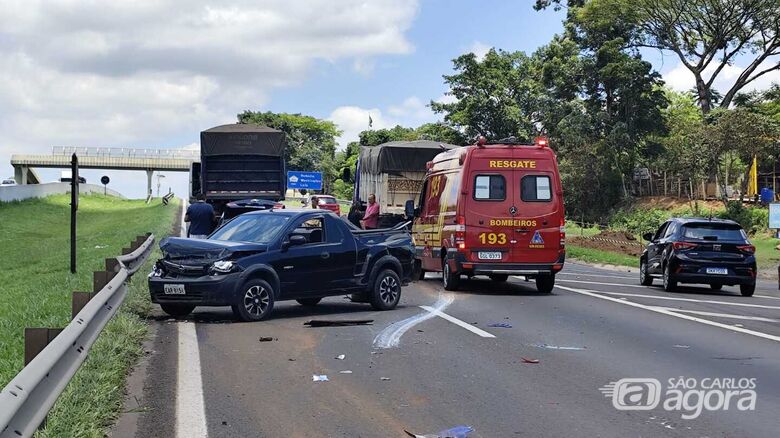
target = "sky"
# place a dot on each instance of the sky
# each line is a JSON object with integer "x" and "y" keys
{"x": 154, "y": 73}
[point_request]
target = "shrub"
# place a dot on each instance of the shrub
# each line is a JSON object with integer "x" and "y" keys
{"x": 752, "y": 219}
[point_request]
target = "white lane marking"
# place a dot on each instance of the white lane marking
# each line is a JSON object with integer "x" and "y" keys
{"x": 390, "y": 336}
{"x": 578, "y": 274}
{"x": 597, "y": 294}
{"x": 690, "y": 300}
{"x": 630, "y": 285}
{"x": 456, "y": 321}
{"x": 719, "y": 315}
{"x": 190, "y": 410}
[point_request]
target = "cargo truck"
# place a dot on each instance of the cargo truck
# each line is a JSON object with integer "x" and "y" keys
{"x": 394, "y": 172}
{"x": 239, "y": 161}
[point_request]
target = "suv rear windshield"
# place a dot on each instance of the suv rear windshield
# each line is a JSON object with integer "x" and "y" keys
{"x": 706, "y": 231}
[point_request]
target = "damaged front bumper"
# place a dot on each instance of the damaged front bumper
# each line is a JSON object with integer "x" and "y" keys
{"x": 204, "y": 290}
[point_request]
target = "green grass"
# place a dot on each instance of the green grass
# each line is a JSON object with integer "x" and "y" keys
{"x": 767, "y": 257}
{"x": 590, "y": 255}
{"x": 36, "y": 286}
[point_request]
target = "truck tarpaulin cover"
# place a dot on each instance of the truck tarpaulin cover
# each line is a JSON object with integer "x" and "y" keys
{"x": 242, "y": 139}
{"x": 400, "y": 156}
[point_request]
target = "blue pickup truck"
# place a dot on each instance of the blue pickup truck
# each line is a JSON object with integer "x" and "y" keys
{"x": 262, "y": 257}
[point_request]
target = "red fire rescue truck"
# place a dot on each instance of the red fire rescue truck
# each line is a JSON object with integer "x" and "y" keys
{"x": 492, "y": 209}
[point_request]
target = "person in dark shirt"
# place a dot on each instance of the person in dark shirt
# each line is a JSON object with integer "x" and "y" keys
{"x": 355, "y": 215}
{"x": 200, "y": 216}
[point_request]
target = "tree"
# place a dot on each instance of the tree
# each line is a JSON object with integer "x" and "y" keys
{"x": 311, "y": 142}
{"x": 495, "y": 96}
{"x": 429, "y": 131}
{"x": 706, "y": 35}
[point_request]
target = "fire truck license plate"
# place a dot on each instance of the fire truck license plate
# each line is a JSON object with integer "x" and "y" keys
{"x": 173, "y": 289}
{"x": 492, "y": 255}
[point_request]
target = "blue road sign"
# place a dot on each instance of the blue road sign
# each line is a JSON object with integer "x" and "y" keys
{"x": 304, "y": 180}
{"x": 774, "y": 215}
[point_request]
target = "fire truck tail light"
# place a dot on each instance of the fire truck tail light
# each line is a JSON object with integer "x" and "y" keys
{"x": 563, "y": 232}
{"x": 460, "y": 233}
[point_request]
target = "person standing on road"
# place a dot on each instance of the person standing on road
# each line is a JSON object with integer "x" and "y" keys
{"x": 200, "y": 216}
{"x": 371, "y": 218}
{"x": 315, "y": 201}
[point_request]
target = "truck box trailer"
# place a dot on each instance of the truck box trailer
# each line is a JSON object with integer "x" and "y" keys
{"x": 240, "y": 161}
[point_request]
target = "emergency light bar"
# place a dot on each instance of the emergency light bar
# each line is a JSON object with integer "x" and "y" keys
{"x": 541, "y": 142}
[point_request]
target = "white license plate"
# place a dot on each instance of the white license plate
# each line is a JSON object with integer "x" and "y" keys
{"x": 492, "y": 255}
{"x": 173, "y": 289}
{"x": 718, "y": 271}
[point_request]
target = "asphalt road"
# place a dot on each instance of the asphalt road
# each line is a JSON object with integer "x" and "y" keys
{"x": 598, "y": 326}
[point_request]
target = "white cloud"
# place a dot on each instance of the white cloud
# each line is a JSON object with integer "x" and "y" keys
{"x": 412, "y": 112}
{"x": 146, "y": 73}
{"x": 681, "y": 79}
{"x": 479, "y": 49}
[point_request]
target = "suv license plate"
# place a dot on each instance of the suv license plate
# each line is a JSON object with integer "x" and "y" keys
{"x": 718, "y": 271}
{"x": 173, "y": 289}
{"x": 493, "y": 255}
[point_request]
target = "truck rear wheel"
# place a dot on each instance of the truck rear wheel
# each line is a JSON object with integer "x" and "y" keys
{"x": 545, "y": 283}
{"x": 451, "y": 280}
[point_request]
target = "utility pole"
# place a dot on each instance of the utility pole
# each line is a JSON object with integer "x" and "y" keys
{"x": 74, "y": 205}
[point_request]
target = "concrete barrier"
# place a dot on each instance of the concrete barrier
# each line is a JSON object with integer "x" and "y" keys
{"x": 27, "y": 191}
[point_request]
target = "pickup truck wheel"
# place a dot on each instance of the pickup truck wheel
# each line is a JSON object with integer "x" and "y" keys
{"x": 386, "y": 291}
{"x": 545, "y": 283}
{"x": 255, "y": 301}
{"x": 451, "y": 281}
{"x": 178, "y": 310}
{"x": 500, "y": 278}
{"x": 309, "y": 302}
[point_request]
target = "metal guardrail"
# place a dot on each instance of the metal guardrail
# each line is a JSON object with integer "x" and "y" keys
{"x": 27, "y": 399}
{"x": 125, "y": 152}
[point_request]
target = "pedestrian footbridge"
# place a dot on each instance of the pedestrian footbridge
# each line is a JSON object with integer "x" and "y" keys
{"x": 149, "y": 160}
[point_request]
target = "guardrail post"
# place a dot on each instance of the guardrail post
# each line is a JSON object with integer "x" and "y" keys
{"x": 100, "y": 279}
{"x": 112, "y": 265}
{"x": 78, "y": 301}
{"x": 36, "y": 339}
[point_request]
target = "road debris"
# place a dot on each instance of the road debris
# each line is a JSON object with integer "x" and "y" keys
{"x": 345, "y": 372}
{"x": 558, "y": 347}
{"x": 500, "y": 324}
{"x": 526, "y": 360}
{"x": 384, "y": 379}
{"x": 337, "y": 322}
{"x": 266, "y": 339}
{"x": 681, "y": 346}
{"x": 341, "y": 357}
{"x": 320, "y": 378}
{"x": 455, "y": 432}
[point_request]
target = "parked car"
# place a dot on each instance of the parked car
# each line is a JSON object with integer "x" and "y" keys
{"x": 328, "y": 202}
{"x": 8, "y": 182}
{"x": 695, "y": 250}
{"x": 262, "y": 257}
{"x": 235, "y": 208}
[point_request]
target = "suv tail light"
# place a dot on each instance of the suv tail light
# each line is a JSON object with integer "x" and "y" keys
{"x": 684, "y": 246}
{"x": 747, "y": 249}
{"x": 563, "y": 233}
{"x": 460, "y": 233}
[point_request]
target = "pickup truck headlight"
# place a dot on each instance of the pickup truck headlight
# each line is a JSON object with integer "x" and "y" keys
{"x": 222, "y": 267}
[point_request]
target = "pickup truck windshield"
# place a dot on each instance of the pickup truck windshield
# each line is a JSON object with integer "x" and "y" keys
{"x": 257, "y": 228}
